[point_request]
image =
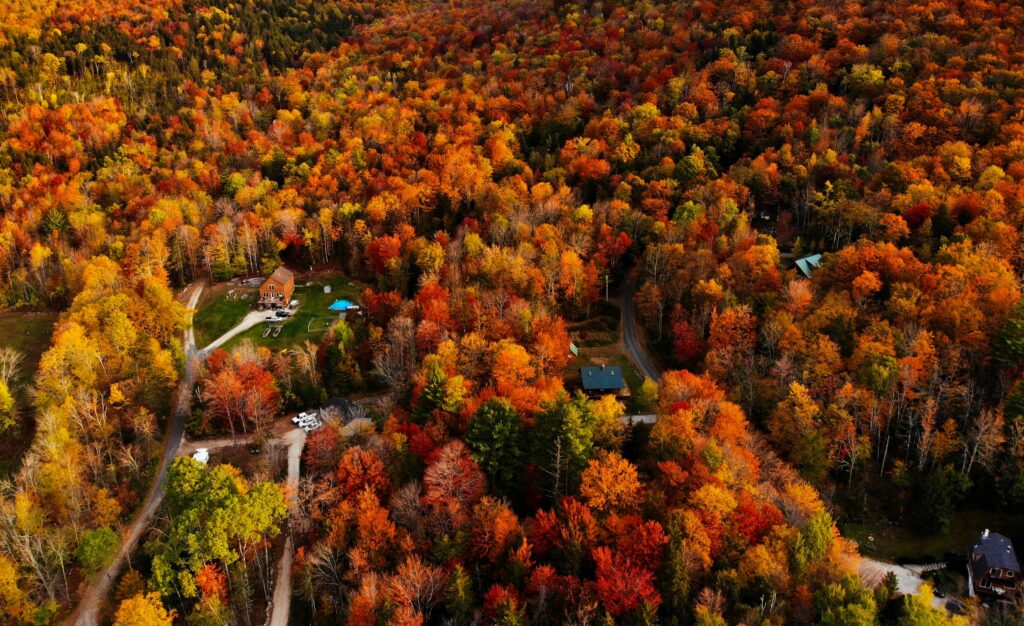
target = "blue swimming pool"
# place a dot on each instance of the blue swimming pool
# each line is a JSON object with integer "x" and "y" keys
{"x": 341, "y": 305}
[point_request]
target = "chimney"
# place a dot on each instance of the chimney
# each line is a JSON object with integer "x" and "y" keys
{"x": 984, "y": 535}
{"x": 602, "y": 367}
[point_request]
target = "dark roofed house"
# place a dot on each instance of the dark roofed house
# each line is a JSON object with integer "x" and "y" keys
{"x": 992, "y": 568}
{"x": 603, "y": 379}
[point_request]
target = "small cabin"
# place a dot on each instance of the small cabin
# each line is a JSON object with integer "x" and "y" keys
{"x": 277, "y": 289}
{"x": 603, "y": 379}
{"x": 808, "y": 264}
{"x": 992, "y": 567}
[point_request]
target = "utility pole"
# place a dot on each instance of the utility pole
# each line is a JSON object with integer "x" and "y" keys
{"x": 606, "y": 287}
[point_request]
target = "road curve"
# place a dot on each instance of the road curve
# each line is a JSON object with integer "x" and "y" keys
{"x": 630, "y": 338}
{"x": 98, "y": 589}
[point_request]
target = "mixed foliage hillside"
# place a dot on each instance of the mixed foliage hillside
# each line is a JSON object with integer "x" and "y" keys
{"x": 488, "y": 167}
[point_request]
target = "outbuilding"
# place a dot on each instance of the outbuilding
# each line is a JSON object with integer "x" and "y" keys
{"x": 808, "y": 264}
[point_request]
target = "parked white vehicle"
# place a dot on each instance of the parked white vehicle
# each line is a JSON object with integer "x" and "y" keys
{"x": 307, "y": 421}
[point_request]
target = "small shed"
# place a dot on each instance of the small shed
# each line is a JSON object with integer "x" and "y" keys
{"x": 808, "y": 264}
{"x": 202, "y": 455}
{"x": 602, "y": 379}
{"x": 278, "y": 288}
{"x": 992, "y": 567}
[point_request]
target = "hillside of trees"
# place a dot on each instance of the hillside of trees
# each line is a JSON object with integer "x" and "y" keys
{"x": 488, "y": 167}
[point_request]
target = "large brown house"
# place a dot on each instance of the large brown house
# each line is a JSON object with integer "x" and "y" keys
{"x": 277, "y": 289}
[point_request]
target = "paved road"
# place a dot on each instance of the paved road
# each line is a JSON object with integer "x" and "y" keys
{"x": 631, "y": 339}
{"x": 646, "y": 418}
{"x": 87, "y": 611}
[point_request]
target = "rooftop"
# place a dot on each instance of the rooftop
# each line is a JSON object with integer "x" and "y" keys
{"x": 994, "y": 550}
{"x": 281, "y": 275}
{"x": 602, "y": 377}
{"x": 808, "y": 264}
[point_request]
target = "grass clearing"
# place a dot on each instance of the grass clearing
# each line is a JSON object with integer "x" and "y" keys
{"x": 312, "y": 319}
{"x": 29, "y": 333}
{"x": 601, "y": 328}
{"x": 894, "y": 543}
{"x": 221, "y": 307}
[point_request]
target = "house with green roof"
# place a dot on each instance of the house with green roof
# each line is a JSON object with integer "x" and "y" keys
{"x": 603, "y": 379}
{"x": 808, "y": 264}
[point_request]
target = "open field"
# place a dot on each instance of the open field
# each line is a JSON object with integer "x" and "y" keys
{"x": 601, "y": 328}
{"x": 893, "y": 543}
{"x": 221, "y": 307}
{"x": 312, "y": 318}
{"x": 29, "y": 333}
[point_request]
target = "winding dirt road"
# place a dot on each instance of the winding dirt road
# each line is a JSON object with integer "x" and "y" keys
{"x": 88, "y": 609}
{"x": 281, "y": 604}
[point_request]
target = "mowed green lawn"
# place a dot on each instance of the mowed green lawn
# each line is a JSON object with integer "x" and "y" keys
{"x": 893, "y": 543}
{"x": 221, "y": 307}
{"x": 29, "y": 333}
{"x": 312, "y": 318}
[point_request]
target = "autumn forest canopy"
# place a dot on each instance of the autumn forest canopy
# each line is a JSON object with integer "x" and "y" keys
{"x": 500, "y": 184}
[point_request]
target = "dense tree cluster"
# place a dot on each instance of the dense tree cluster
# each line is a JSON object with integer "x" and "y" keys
{"x": 403, "y": 522}
{"x": 488, "y": 168}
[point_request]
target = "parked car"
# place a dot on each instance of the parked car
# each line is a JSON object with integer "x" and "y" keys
{"x": 301, "y": 416}
{"x": 282, "y": 313}
{"x": 293, "y": 304}
{"x": 270, "y": 318}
